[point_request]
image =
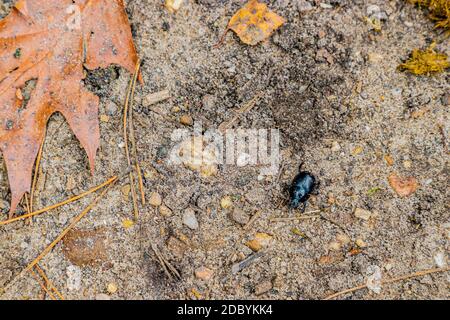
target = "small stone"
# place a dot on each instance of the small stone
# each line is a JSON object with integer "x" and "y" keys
{"x": 165, "y": 211}
{"x": 363, "y": 214}
{"x": 156, "y": 97}
{"x": 440, "y": 260}
{"x": 331, "y": 198}
{"x": 407, "y": 164}
{"x": 155, "y": 199}
{"x": 304, "y": 6}
{"x": 204, "y": 273}
{"x": 189, "y": 219}
{"x": 104, "y": 118}
{"x": 186, "y": 120}
{"x": 360, "y": 243}
{"x": 151, "y": 174}
{"x": 374, "y": 279}
{"x": 226, "y": 202}
{"x": 335, "y": 147}
{"x": 374, "y": 12}
{"x": 263, "y": 288}
{"x": 111, "y": 109}
{"x": 173, "y": 5}
{"x": 126, "y": 189}
{"x": 343, "y": 239}
{"x": 326, "y": 5}
{"x": 112, "y": 288}
{"x": 260, "y": 241}
{"x": 335, "y": 246}
{"x": 240, "y": 216}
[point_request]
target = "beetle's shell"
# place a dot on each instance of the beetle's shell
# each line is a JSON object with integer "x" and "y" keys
{"x": 302, "y": 186}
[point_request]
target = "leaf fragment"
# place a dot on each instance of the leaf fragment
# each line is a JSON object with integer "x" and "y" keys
{"x": 425, "y": 62}
{"x": 51, "y": 42}
{"x": 255, "y": 22}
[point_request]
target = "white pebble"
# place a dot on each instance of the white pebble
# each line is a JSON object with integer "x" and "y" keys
{"x": 440, "y": 260}
{"x": 189, "y": 219}
{"x": 374, "y": 277}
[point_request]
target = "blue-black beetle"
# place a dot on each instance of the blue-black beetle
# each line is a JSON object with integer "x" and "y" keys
{"x": 303, "y": 185}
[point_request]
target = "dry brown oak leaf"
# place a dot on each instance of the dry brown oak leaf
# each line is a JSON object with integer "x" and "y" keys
{"x": 49, "y": 43}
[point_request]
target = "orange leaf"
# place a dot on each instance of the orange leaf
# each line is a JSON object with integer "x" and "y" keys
{"x": 48, "y": 42}
{"x": 255, "y": 22}
{"x": 403, "y": 186}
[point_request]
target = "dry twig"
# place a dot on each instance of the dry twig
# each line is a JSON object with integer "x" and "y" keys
{"x": 48, "y": 283}
{"x": 406, "y": 277}
{"x": 168, "y": 268}
{"x": 55, "y": 206}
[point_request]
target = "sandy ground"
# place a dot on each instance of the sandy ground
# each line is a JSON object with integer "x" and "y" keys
{"x": 331, "y": 86}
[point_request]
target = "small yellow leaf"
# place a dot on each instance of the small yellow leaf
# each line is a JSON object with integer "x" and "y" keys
{"x": 255, "y": 22}
{"x": 426, "y": 62}
{"x": 127, "y": 223}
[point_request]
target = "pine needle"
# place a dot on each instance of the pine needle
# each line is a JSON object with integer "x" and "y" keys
{"x": 55, "y": 206}
{"x": 42, "y": 285}
{"x": 48, "y": 283}
{"x": 128, "y": 102}
{"x": 133, "y": 139}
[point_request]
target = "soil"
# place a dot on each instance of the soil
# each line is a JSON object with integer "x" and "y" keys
{"x": 331, "y": 86}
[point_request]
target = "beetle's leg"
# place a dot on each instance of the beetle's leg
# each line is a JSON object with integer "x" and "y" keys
{"x": 300, "y": 167}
